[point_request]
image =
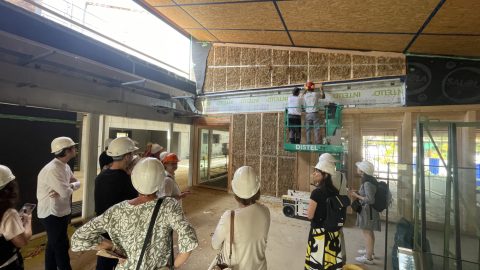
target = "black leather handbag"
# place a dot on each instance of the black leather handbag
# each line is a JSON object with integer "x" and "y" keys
{"x": 357, "y": 206}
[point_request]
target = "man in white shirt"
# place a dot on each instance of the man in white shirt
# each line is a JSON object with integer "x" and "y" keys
{"x": 294, "y": 116}
{"x": 55, "y": 186}
{"x": 311, "y": 102}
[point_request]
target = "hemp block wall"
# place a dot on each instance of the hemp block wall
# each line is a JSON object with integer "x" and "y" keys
{"x": 257, "y": 141}
{"x": 237, "y": 67}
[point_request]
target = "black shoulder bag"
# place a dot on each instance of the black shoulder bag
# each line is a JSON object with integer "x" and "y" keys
{"x": 149, "y": 234}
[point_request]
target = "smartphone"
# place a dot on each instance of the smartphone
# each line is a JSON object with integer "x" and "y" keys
{"x": 27, "y": 208}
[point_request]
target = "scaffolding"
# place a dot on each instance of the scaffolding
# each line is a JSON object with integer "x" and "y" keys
{"x": 452, "y": 259}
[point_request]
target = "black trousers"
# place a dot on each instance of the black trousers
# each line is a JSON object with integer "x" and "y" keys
{"x": 106, "y": 263}
{"x": 56, "y": 253}
{"x": 16, "y": 265}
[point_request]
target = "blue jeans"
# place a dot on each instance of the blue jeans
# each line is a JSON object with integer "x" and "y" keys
{"x": 56, "y": 252}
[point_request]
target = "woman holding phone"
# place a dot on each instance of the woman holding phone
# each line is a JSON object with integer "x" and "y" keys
{"x": 15, "y": 229}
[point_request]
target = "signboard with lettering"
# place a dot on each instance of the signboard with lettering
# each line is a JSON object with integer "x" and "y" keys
{"x": 442, "y": 81}
{"x": 387, "y": 92}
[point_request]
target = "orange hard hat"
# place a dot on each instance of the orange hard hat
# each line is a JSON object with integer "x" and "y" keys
{"x": 170, "y": 158}
{"x": 310, "y": 85}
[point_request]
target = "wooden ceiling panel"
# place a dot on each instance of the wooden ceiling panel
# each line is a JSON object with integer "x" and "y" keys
{"x": 389, "y": 16}
{"x": 253, "y": 37}
{"x": 456, "y": 17}
{"x": 375, "y": 42}
{"x": 182, "y": 2}
{"x": 180, "y": 17}
{"x": 260, "y": 15}
{"x": 155, "y": 3}
{"x": 447, "y": 45}
{"x": 202, "y": 35}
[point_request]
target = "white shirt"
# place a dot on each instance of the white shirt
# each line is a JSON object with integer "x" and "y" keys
{"x": 294, "y": 105}
{"x": 252, "y": 224}
{"x": 311, "y": 101}
{"x": 10, "y": 227}
{"x": 170, "y": 187}
{"x": 55, "y": 176}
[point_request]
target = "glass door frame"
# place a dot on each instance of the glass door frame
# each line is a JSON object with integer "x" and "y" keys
{"x": 198, "y": 151}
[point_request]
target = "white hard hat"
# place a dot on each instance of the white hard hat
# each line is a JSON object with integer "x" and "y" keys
{"x": 148, "y": 176}
{"x": 326, "y": 166}
{"x": 163, "y": 155}
{"x": 245, "y": 182}
{"x": 107, "y": 142}
{"x": 366, "y": 167}
{"x": 6, "y": 176}
{"x": 327, "y": 157}
{"x": 60, "y": 143}
{"x": 121, "y": 146}
{"x": 156, "y": 148}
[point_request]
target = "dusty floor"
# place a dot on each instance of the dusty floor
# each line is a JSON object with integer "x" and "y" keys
{"x": 286, "y": 242}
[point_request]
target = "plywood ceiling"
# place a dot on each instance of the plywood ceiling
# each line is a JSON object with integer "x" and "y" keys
{"x": 436, "y": 27}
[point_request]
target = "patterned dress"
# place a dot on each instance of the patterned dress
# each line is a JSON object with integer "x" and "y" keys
{"x": 127, "y": 226}
{"x": 324, "y": 249}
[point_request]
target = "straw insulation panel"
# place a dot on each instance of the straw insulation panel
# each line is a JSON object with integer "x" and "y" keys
{"x": 238, "y": 134}
{"x": 269, "y": 175}
{"x": 364, "y": 66}
{"x": 269, "y": 133}
{"x": 287, "y": 172}
{"x": 236, "y": 67}
{"x": 262, "y": 149}
{"x": 253, "y": 134}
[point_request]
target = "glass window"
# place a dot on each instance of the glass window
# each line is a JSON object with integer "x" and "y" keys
{"x": 130, "y": 27}
{"x": 213, "y": 158}
{"x": 381, "y": 148}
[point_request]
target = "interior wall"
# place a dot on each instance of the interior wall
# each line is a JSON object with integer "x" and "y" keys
{"x": 257, "y": 140}
{"x": 237, "y": 67}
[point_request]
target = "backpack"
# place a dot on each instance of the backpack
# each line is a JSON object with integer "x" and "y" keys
{"x": 383, "y": 196}
{"x": 336, "y": 212}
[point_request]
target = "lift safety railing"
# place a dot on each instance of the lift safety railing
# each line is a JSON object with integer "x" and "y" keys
{"x": 332, "y": 122}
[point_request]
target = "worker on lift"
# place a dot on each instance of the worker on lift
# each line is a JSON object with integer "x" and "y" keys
{"x": 295, "y": 116}
{"x": 311, "y": 102}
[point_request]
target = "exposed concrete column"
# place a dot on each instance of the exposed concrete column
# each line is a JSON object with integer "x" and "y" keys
{"x": 169, "y": 137}
{"x": 191, "y": 158}
{"x": 90, "y": 160}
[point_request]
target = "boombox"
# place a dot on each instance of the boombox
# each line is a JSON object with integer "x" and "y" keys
{"x": 295, "y": 204}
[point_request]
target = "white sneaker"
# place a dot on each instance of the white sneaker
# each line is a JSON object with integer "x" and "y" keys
{"x": 363, "y": 259}
{"x": 364, "y": 251}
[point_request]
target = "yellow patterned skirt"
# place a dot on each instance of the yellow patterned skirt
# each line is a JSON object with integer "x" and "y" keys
{"x": 324, "y": 250}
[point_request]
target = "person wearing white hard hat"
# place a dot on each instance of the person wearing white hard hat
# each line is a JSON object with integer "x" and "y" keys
{"x": 324, "y": 248}
{"x": 339, "y": 179}
{"x": 114, "y": 185}
{"x": 251, "y": 224}
{"x": 55, "y": 186}
{"x": 156, "y": 150}
{"x": 105, "y": 160}
{"x": 15, "y": 228}
{"x": 127, "y": 223}
{"x": 368, "y": 219}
